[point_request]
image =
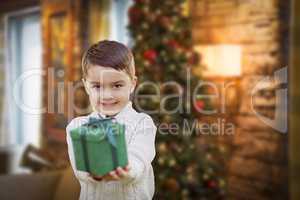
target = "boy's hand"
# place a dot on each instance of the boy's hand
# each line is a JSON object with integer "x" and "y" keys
{"x": 115, "y": 175}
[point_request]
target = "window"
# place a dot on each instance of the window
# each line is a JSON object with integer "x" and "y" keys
{"x": 119, "y": 21}
{"x": 23, "y": 57}
{"x": 108, "y": 19}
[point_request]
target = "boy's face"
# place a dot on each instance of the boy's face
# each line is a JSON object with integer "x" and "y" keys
{"x": 108, "y": 89}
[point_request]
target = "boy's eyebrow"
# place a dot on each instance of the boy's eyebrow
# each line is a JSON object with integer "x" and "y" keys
{"x": 120, "y": 81}
{"x": 94, "y": 82}
{"x": 97, "y": 82}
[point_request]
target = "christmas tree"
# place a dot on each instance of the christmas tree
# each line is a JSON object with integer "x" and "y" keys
{"x": 164, "y": 58}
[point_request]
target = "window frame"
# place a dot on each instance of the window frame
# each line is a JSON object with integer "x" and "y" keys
{"x": 9, "y": 69}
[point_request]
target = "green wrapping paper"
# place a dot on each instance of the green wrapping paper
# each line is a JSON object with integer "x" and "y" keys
{"x": 99, "y": 146}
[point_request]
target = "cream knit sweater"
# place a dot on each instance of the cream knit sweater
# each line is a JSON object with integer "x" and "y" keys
{"x": 140, "y": 134}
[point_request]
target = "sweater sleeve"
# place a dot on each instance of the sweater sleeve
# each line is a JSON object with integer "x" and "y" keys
{"x": 80, "y": 175}
{"x": 141, "y": 149}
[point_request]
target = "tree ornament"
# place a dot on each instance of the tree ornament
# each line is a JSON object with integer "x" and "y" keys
{"x": 211, "y": 184}
{"x": 200, "y": 105}
{"x": 172, "y": 184}
{"x": 162, "y": 147}
{"x": 173, "y": 44}
{"x": 134, "y": 14}
{"x": 150, "y": 55}
{"x": 164, "y": 21}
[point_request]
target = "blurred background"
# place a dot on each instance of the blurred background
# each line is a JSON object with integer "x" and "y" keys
{"x": 246, "y": 49}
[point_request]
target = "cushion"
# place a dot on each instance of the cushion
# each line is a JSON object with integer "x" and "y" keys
{"x": 29, "y": 186}
{"x": 68, "y": 187}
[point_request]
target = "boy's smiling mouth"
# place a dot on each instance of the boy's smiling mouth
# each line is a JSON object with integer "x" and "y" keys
{"x": 108, "y": 103}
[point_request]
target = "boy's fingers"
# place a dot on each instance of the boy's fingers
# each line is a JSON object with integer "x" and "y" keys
{"x": 121, "y": 172}
{"x": 113, "y": 175}
{"x": 127, "y": 167}
{"x": 116, "y": 174}
{"x": 97, "y": 178}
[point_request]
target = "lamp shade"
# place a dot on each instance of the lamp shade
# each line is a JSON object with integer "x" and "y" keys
{"x": 220, "y": 60}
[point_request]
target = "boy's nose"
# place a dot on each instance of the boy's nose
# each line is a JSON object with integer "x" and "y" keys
{"x": 105, "y": 94}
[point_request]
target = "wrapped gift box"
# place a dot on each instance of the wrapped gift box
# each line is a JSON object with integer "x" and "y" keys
{"x": 99, "y": 146}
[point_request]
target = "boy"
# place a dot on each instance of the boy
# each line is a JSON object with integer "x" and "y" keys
{"x": 109, "y": 79}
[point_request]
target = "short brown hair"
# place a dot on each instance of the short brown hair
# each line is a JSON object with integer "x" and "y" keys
{"x": 107, "y": 53}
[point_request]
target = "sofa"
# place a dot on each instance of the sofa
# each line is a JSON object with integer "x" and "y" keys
{"x": 54, "y": 185}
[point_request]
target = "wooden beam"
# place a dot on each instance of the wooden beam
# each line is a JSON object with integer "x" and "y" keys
{"x": 12, "y": 5}
{"x": 294, "y": 92}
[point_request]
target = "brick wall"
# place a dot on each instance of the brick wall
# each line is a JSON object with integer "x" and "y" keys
{"x": 257, "y": 168}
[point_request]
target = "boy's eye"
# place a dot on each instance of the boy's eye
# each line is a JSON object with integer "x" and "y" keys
{"x": 96, "y": 86}
{"x": 118, "y": 85}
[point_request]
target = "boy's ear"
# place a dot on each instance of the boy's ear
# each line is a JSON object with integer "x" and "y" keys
{"x": 134, "y": 83}
{"x": 132, "y": 89}
{"x": 85, "y": 86}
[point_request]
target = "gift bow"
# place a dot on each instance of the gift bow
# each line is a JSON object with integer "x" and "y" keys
{"x": 108, "y": 130}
